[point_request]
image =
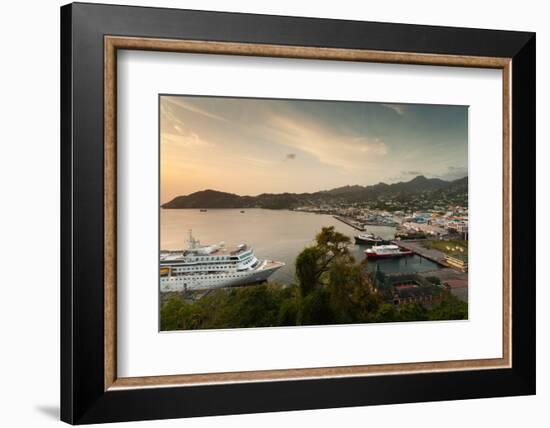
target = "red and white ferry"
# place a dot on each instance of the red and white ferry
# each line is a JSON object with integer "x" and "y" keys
{"x": 387, "y": 251}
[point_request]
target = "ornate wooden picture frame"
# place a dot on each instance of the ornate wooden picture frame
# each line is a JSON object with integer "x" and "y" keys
{"x": 91, "y": 389}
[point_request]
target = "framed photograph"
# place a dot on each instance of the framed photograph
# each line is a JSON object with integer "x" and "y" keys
{"x": 266, "y": 213}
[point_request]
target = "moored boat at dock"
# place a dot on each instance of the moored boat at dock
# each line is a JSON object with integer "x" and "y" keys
{"x": 203, "y": 267}
{"x": 368, "y": 239}
{"x": 386, "y": 251}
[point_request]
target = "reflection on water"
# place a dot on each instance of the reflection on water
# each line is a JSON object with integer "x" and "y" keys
{"x": 412, "y": 263}
{"x": 274, "y": 234}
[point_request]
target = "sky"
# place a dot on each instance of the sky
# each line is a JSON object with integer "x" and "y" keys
{"x": 250, "y": 146}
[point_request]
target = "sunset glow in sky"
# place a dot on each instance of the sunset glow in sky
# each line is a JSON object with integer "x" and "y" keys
{"x": 252, "y": 146}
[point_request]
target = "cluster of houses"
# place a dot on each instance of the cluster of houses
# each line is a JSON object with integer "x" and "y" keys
{"x": 438, "y": 225}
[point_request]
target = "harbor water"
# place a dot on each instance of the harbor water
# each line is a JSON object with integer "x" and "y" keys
{"x": 273, "y": 234}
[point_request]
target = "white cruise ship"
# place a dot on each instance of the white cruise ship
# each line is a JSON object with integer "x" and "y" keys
{"x": 202, "y": 267}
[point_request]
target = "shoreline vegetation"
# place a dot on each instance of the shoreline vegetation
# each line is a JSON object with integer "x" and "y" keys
{"x": 331, "y": 288}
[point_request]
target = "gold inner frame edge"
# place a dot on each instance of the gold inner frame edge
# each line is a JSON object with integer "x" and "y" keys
{"x": 113, "y": 43}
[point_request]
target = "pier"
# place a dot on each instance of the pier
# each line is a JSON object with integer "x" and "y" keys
{"x": 350, "y": 222}
{"x": 416, "y": 247}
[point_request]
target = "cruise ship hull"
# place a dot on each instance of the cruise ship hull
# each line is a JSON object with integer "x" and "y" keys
{"x": 220, "y": 280}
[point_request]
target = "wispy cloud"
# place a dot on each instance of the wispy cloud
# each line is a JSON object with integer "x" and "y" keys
{"x": 176, "y": 132}
{"x": 326, "y": 145}
{"x": 374, "y": 146}
{"x": 453, "y": 173}
{"x": 184, "y": 139}
{"x": 169, "y": 118}
{"x": 256, "y": 161}
{"x": 400, "y": 109}
{"x": 179, "y": 102}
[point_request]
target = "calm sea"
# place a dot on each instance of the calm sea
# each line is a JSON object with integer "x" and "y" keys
{"x": 274, "y": 234}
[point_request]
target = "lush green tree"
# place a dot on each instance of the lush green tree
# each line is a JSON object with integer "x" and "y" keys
{"x": 178, "y": 315}
{"x": 313, "y": 262}
{"x": 289, "y": 312}
{"x": 334, "y": 244}
{"x": 386, "y": 313}
{"x": 257, "y": 307}
{"x": 341, "y": 282}
{"x": 450, "y": 308}
{"x": 413, "y": 312}
{"x": 366, "y": 301}
{"x": 170, "y": 314}
{"x": 316, "y": 309}
{"x": 351, "y": 295}
{"x": 309, "y": 269}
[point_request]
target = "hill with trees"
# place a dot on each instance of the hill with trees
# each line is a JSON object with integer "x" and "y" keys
{"x": 418, "y": 187}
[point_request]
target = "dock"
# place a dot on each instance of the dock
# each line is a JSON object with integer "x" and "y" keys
{"x": 350, "y": 222}
{"x": 416, "y": 247}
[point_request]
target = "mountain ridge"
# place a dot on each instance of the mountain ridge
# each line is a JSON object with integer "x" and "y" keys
{"x": 402, "y": 191}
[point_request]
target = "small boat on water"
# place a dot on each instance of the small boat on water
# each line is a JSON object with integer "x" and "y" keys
{"x": 368, "y": 239}
{"x": 242, "y": 211}
{"x": 203, "y": 210}
{"x": 386, "y": 251}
